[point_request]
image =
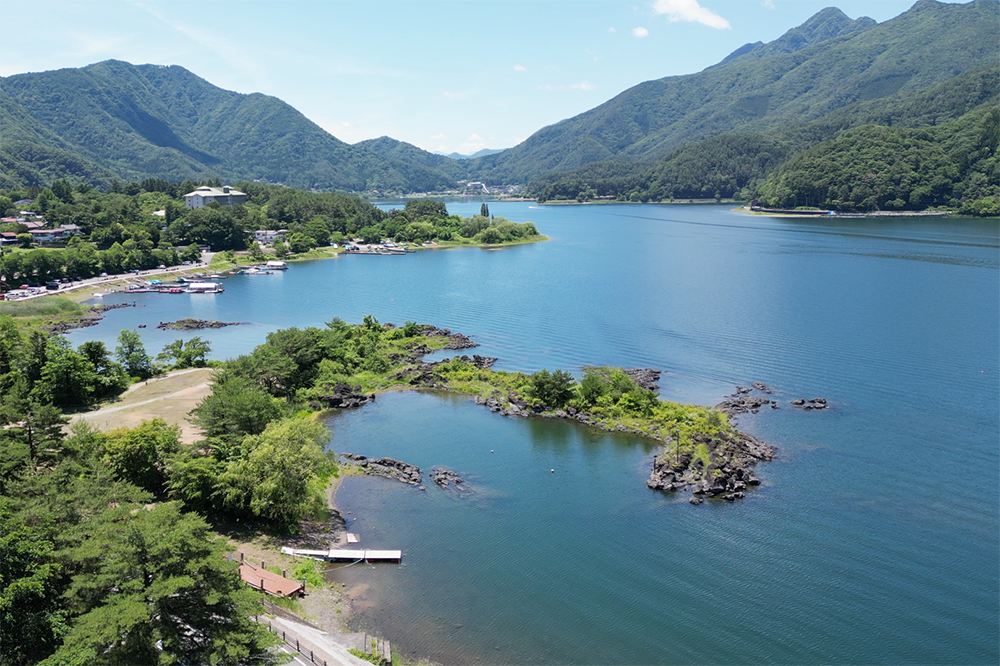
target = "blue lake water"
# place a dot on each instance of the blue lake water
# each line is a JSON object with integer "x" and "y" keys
{"x": 874, "y": 538}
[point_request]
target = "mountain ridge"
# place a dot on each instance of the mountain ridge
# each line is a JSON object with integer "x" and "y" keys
{"x": 929, "y": 43}
{"x": 170, "y": 123}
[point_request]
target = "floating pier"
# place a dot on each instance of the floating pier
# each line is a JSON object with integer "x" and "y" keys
{"x": 342, "y": 555}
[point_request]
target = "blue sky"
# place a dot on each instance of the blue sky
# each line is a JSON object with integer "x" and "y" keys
{"x": 443, "y": 75}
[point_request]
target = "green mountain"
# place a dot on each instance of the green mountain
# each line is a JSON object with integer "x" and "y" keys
{"x": 114, "y": 119}
{"x": 828, "y": 63}
{"x": 732, "y": 165}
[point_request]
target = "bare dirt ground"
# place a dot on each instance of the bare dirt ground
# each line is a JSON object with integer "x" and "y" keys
{"x": 170, "y": 397}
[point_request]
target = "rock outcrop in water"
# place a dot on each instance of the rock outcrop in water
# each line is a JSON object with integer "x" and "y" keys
{"x": 388, "y": 468}
{"x": 444, "y": 477}
{"x": 725, "y": 473}
{"x": 189, "y": 324}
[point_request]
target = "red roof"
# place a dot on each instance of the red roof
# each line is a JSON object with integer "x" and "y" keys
{"x": 272, "y": 583}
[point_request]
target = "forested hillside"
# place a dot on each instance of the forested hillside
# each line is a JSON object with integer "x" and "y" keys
{"x": 733, "y": 165}
{"x": 828, "y": 63}
{"x": 114, "y": 119}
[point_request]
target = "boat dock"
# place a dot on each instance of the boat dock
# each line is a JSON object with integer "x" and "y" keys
{"x": 344, "y": 555}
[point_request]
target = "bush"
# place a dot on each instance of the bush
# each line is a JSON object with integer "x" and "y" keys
{"x": 552, "y": 389}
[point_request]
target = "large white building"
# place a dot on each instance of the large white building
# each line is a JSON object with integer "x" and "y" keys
{"x": 224, "y": 196}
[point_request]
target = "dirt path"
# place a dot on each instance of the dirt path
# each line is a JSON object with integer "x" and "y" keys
{"x": 170, "y": 397}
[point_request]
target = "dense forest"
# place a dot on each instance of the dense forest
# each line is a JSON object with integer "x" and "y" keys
{"x": 117, "y": 120}
{"x": 103, "y": 558}
{"x": 942, "y": 138}
{"x": 827, "y": 64}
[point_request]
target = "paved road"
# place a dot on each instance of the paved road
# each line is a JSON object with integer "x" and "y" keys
{"x": 98, "y": 282}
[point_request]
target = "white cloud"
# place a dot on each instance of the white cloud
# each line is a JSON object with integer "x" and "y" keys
{"x": 768, "y": 4}
{"x": 346, "y": 124}
{"x": 439, "y": 137}
{"x": 455, "y": 97}
{"x": 640, "y": 32}
{"x": 520, "y": 68}
{"x": 584, "y": 85}
{"x": 232, "y": 52}
{"x": 90, "y": 45}
{"x": 690, "y": 11}
{"x": 476, "y": 138}
{"x": 612, "y": 29}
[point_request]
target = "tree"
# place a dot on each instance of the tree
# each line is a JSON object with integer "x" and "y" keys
{"x": 418, "y": 208}
{"x": 371, "y": 234}
{"x": 152, "y": 586}
{"x": 111, "y": 378}
{"x": 63, "y": 190}
{"x": 131, "y": 353}
{"x": 235, "y": 408}
{"x": 25, "y": 240}
{"x": 318, "y": 231}
{"x": 30, "y": 622}
{"x": 179, "y": 354}
{"x": 484, "y": 210}
{"x": 299, "y": 243}
{"x": 271, "y": 481}
{"x": 553, "y": 389}
{"x": 34, "y": 436}
{"x": 68, "y": 378}
{"x": 139, "y": 455}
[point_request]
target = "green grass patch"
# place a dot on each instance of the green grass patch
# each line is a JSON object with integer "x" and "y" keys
{"x": 41, "y": 307}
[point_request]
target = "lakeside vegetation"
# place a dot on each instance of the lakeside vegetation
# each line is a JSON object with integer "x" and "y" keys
{"x": 120, "y": 233}
{"x": 867, "y": 169}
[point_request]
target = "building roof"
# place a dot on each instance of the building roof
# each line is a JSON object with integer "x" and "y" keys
{"x": 269, "y": 582}
{"x": 206, "y": 191}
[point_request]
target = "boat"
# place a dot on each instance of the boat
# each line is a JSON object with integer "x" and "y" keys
{"x": 204, "y": 288}
{"x": 276, "y": 265}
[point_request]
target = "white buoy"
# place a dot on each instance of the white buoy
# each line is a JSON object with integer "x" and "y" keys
{"x": 552, "y": 471}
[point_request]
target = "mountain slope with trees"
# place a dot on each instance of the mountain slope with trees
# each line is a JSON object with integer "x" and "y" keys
{"x": 130, "y": 122}
{"x": 732, "y": 165}
{"x": 794, "y": 80}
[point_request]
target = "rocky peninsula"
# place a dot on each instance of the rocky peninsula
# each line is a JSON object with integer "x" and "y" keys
{"x": 702, "y": 453}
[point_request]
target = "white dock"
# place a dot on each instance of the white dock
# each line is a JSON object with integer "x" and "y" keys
{"x": 340, "y": 555}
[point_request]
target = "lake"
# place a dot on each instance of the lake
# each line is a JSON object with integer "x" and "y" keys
{"x": 875, "y": 537}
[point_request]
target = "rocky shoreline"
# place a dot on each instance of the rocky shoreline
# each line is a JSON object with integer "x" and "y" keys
{"x": 92, "y": 317}
{"x": 715, "y": 465}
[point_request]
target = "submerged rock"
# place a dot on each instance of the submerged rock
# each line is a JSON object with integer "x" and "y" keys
{"x": 443, "y": 477}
